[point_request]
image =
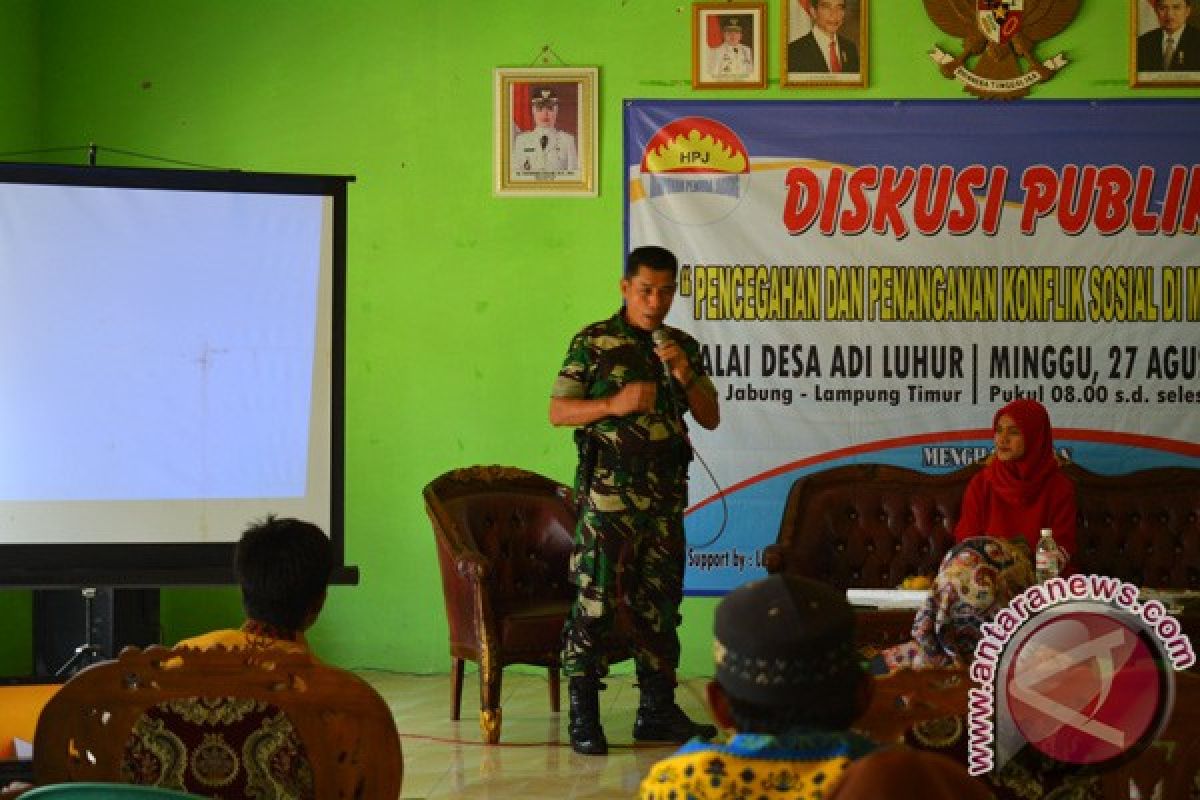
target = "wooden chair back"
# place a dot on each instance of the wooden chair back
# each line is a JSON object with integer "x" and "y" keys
{"x": 221, "y": 723}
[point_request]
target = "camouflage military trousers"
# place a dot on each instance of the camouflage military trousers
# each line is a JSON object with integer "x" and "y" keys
{"x": 628, "y": 564}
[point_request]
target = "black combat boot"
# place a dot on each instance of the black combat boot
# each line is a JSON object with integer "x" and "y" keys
{"x": 587, "y": 737}
{"x": 659, "y": 719}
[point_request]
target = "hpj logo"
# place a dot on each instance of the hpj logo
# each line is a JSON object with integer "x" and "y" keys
{"x": 694, "y": 171}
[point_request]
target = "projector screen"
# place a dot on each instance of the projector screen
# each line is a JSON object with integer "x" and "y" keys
{"x": 171, "y": 349}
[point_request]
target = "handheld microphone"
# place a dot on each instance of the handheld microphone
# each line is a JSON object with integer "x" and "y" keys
{"x": 678, "y": 404}
{"x": 659, "y": 337}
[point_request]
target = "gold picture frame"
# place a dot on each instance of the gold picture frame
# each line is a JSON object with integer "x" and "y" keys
{"x": 805, "y": 62}
{"x": 1150, "y": 21}
{"x": 729, "y": 45}
{"x": 545, "y": 131}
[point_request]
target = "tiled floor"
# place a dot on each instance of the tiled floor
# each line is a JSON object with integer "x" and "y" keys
{"x": 445, "y": 759}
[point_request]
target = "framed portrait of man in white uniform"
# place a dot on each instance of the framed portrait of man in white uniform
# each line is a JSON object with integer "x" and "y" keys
{"x": 545, "y": 131}
{"x": 727, "y": 45}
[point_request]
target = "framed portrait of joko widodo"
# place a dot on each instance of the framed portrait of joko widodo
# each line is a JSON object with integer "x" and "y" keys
{"x": 1164, "y": 43}
{"x": 728, "y": 45}
{"x": 545, "y": 131}
{"x": 824, "y": 43}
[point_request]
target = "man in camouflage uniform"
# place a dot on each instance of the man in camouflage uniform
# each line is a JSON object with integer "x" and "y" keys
{"x": 625, "y": 385}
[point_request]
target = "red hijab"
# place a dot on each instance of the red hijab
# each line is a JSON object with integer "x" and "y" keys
{"x": 1020, "y": 482}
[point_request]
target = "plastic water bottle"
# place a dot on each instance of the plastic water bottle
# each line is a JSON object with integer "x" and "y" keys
{"x": 1048, "y": 559}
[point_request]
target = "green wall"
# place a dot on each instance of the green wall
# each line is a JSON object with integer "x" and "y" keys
{"x": 18, "y": 75}
{"x": 18, "y": 132}
{"x": 460, "y": 304}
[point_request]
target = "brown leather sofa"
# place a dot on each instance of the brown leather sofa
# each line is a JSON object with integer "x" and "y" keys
{"x": 867, "y": 525}
{"x": 872, "y": 525}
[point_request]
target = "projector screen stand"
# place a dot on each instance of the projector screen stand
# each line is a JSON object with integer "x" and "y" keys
{"x": 86, "y": 653}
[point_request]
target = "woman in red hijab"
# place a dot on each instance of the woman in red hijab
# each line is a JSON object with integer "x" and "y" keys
{"x": 1021, "y": 490}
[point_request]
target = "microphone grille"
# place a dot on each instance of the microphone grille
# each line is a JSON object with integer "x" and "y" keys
{"x": 659, "y": 337}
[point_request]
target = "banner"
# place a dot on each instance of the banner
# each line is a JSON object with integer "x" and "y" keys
{"x": 872, "y": 280}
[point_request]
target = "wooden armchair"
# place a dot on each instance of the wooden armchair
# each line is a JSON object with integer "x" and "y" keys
{"x": 233, "y": 724}
{"x": 504, "y": 540}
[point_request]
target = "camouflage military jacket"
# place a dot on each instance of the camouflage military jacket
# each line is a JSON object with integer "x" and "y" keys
{"x": 638, "y": 461}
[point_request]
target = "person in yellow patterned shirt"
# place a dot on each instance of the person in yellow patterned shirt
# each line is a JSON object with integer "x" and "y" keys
{"x": 283, "y": 566}
{"x": 789, "y": 683}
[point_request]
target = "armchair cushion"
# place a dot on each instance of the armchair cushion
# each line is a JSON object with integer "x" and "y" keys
{"x": 525, "y": 541}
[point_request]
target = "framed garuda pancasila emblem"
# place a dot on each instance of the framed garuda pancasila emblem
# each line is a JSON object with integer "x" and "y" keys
{"x": 1000, "y": 35}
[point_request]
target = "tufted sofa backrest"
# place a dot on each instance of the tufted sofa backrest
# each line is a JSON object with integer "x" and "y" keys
{"x": 1143, "y": 527}
{"x": 868, "y": 525}
{"x": 872, "y": 525}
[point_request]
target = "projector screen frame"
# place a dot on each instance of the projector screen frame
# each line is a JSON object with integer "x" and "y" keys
{"x": 162, "y": 564}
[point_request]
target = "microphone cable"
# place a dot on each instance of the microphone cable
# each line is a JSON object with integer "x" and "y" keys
{"x": 720, "y": 493}
{"x": 659, "y": 336}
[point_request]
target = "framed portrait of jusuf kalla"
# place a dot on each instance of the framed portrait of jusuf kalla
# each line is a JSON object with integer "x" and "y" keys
{"x": 824, "y": 43}
{"x": 545, "y": 131}
{"x": 728, "y": 45}
{"x": 1164, "y": 47}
